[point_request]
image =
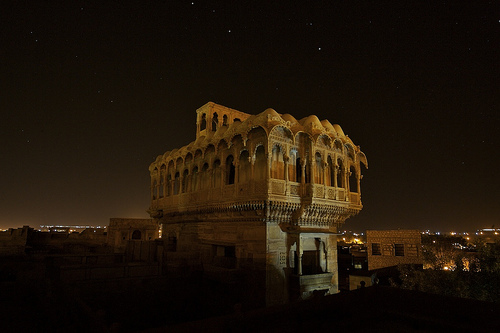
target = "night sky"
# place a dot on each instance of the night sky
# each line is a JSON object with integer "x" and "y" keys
{"x": 92, "y": 91}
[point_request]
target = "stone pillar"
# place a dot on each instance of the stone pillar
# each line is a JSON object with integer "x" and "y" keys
{"x": 300, "y": 252}
{"x": 252, "y": 167}
{"x": 172, "y": 185}
{"x": 286, "y": 159}
{"x": 269, "y": 165}
{"x": 359, "y": 183}
{"x": 325, "y": 167}
{"x": 348, "y": 176}
{"x": 335, "y": 172}
{"x": 303, "y": 171}
{"x": 181, "y": 179}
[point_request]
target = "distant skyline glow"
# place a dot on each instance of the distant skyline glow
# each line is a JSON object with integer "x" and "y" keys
{"x": 91, "y": 94}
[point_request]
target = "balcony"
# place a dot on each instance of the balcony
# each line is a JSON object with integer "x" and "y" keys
{"x": 306, "y": 283}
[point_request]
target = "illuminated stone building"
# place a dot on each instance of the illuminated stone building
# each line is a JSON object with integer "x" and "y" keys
{"x": 388, "y": 248}
{"x": 261, "y": 194}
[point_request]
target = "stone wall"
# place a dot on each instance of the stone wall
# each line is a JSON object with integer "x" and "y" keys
{"x": 393, "y": 247}
{"x": 123, "y": 230}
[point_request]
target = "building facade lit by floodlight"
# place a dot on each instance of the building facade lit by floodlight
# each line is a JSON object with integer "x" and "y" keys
{"x": 259, "y": 195}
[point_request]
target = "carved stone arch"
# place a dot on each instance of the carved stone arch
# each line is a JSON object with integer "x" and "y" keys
{"x": 236, "y": 140}
{"x": 222, "y": 146}
{"x": 260, "y": 162}
{"x": 283, "y": 132}
{"x": 362, "y": 159}
{"x": 338, "y": 146}
{"x": 179, "y": 163}
{"x": 257, "y": 135}
{"x": 349, "y": 152}
{"x": 188, "y": 158}
{"x": 280, "y": 145}
{"x": 203, "y": 122}
{"x": 353, "y": 177}
{"x": 209, "y": 153}
{"x": 324, "y": 140}
{"x": 245, "y": 167}
{"x": 318, "y": 164}
{"x": 300, "y": 133}
{"x": 256, "y": 146}
{"x": 198, "y": 157}
{"x": 236, "y": 145}
{"x": 170, "y": 167}
{"x": 215, "y": 122}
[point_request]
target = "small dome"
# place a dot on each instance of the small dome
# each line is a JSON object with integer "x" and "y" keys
{"x": 312, "y": 122}
{"x": 338, "y": 129}
{"x": 271, "y": 112}
{"x": 328, "y": 126}
{"x": 290, "y": 118}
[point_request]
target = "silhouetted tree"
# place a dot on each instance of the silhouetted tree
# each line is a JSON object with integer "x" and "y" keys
{"x": 477, "y": 277}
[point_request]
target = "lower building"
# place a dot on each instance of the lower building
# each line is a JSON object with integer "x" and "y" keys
{"x": 388, "y": 248}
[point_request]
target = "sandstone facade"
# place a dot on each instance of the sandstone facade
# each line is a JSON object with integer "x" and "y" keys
{"x": 393, "y": 247}
{"x": 264, "y": 194}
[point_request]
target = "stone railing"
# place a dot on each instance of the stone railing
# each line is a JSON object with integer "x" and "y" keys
{"x": 256, "y": 189}
{"x": 354, "y": 198}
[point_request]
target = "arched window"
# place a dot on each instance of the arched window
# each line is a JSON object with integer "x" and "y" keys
{"x": 203, "y": 122}
{"x": 194, "y": 179}
{"x": 215, "y": 122}
{"x": 340, "y": 174}
{"x": 330, "y": 174}
{"x": 277, "y": 163}
{"x": 292, "y": 168}
{"x": 318, "y": 169}
{"x": 245, "y": 167}
{"x": 353, "y": 181}
{"x": 260, "y": 166}
{"x": 169, "y": 185}
{"x": 298, "y": 170}
{"x": 230, "y": 170}
{"x": 177, "y": 184}
{"x": 136, "y": 234}
{"x": 224, "y": 120}
{"x": 185, "y": 178}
